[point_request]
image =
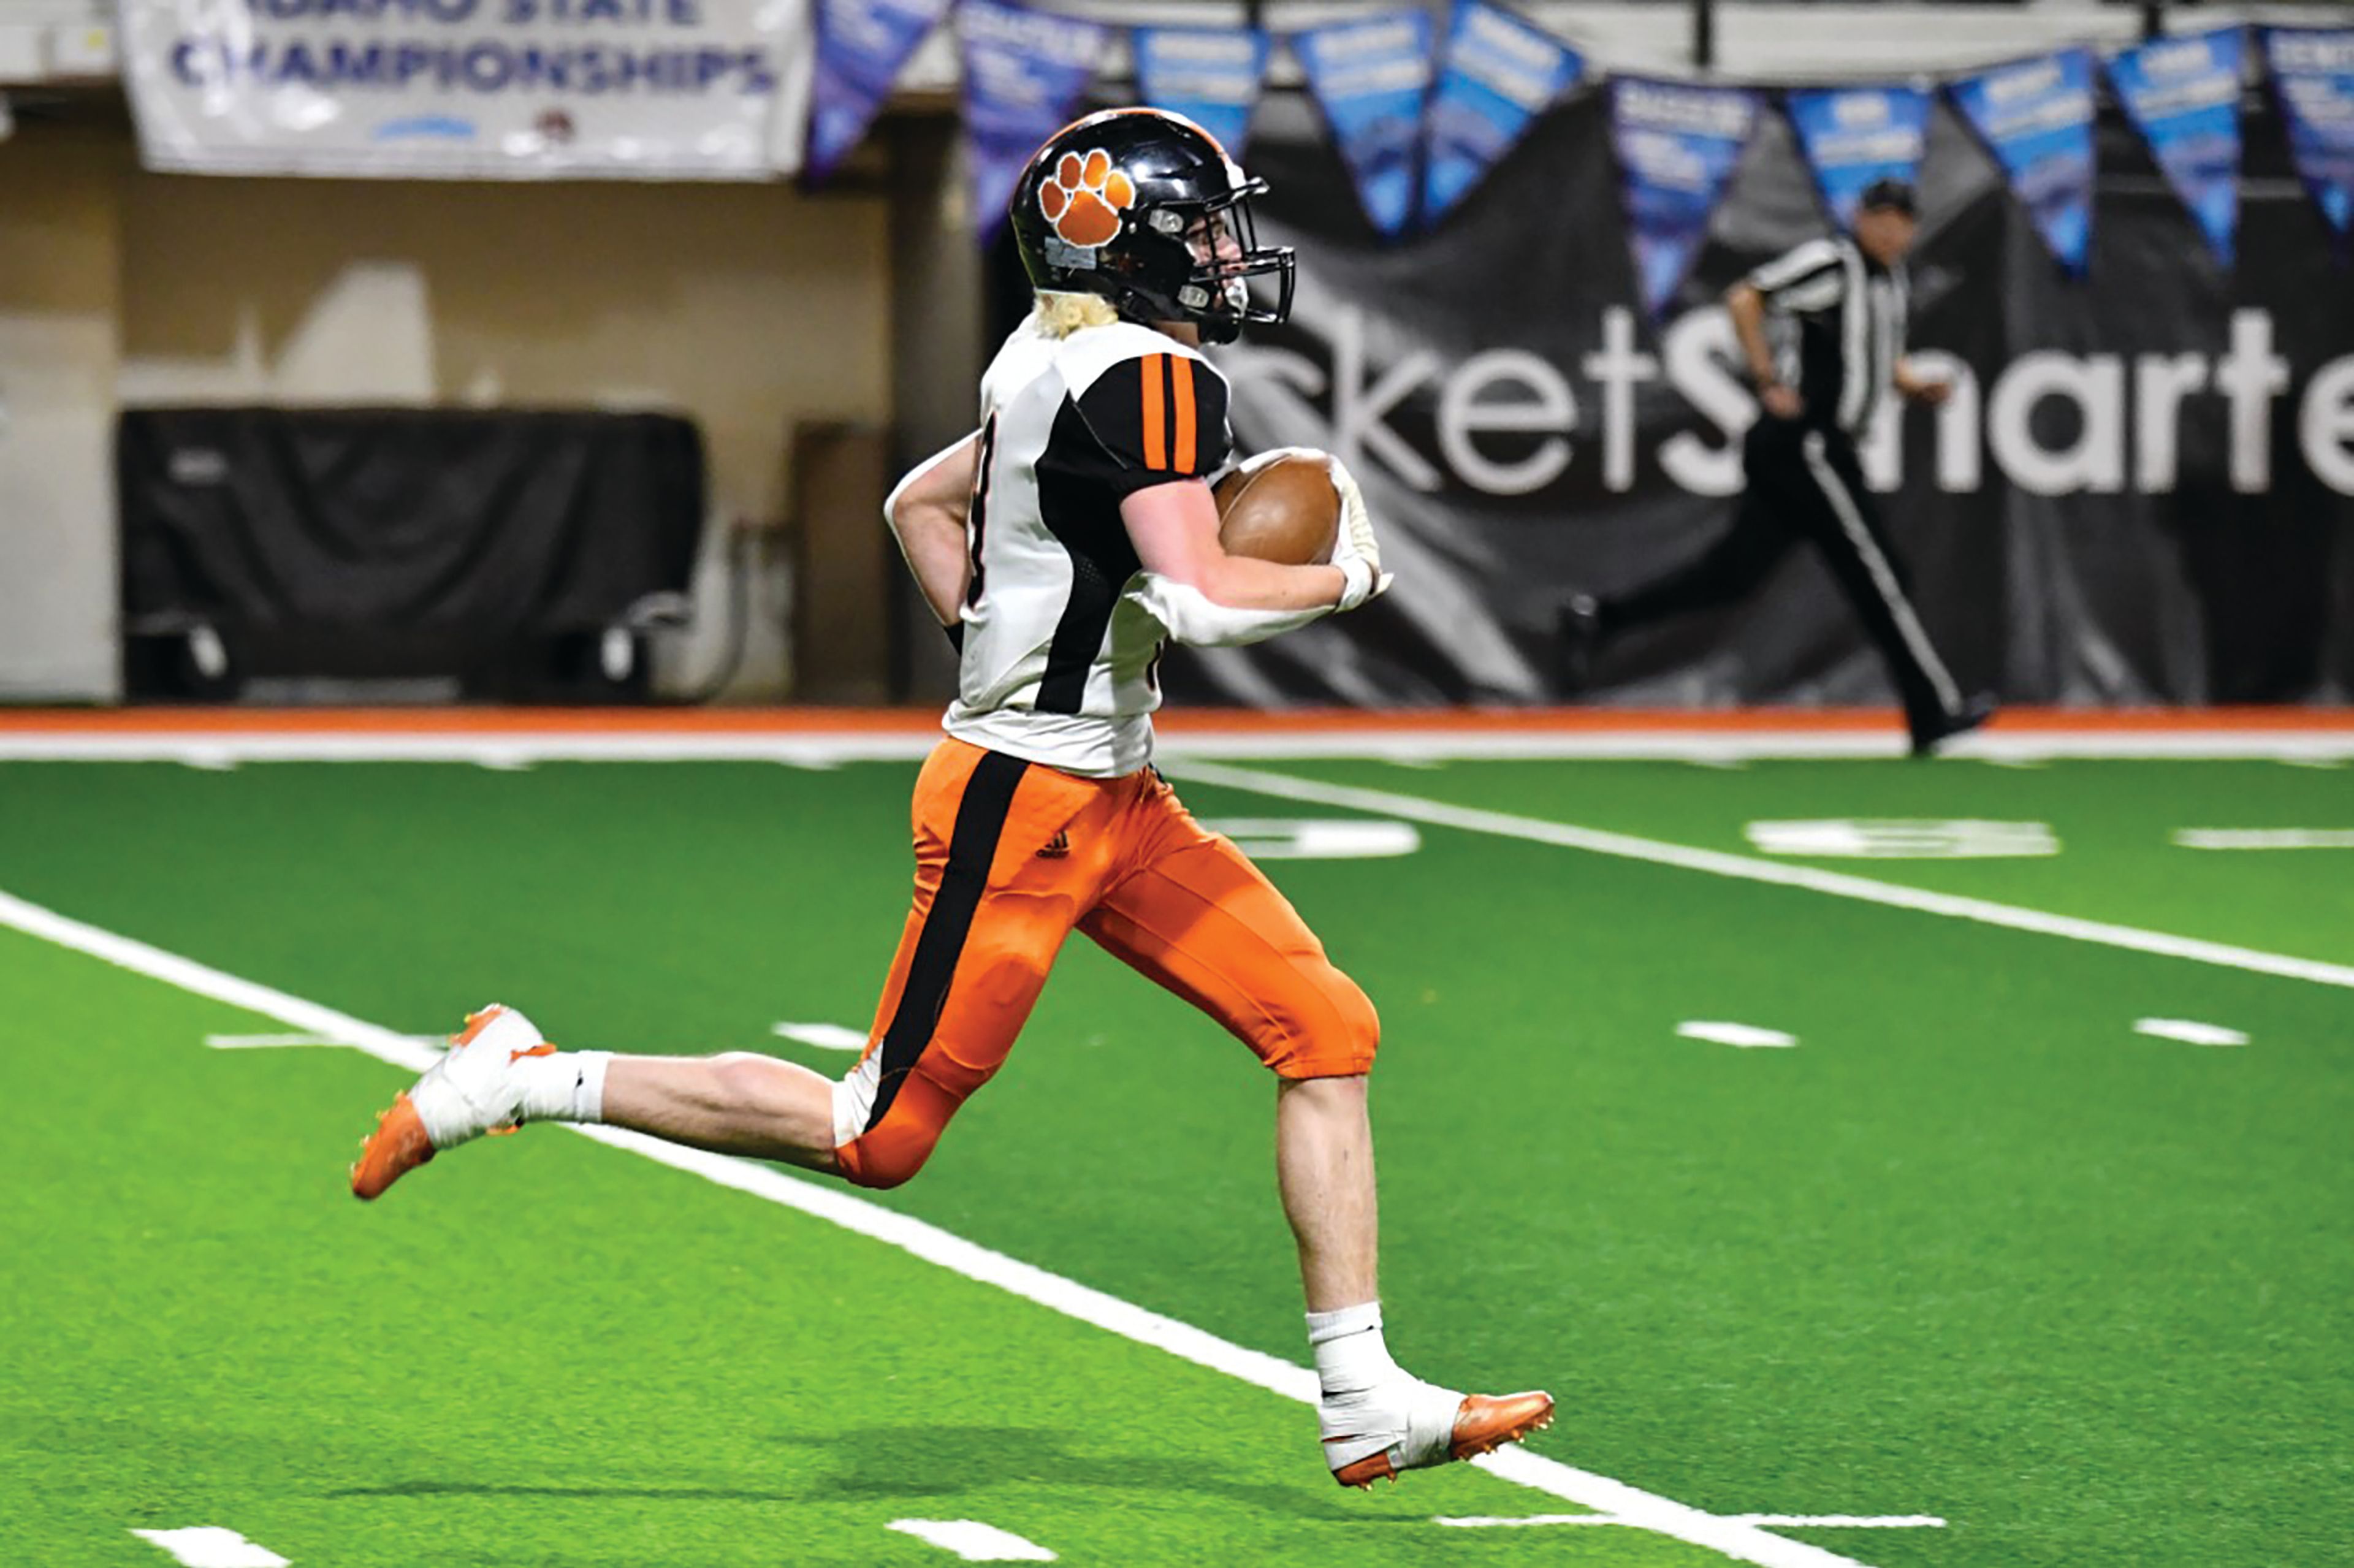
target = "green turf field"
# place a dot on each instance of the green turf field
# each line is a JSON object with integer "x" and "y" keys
{"x": 1974, "y": 1248}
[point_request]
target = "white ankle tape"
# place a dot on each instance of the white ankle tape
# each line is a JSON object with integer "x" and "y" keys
{"x": 1344, "y": 1321}
{"x": 1410, "y": 1420}
{"x": 567, "y": 1086}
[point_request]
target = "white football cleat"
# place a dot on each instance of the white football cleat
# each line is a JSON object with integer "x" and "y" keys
{"x": 471, "y": 1091}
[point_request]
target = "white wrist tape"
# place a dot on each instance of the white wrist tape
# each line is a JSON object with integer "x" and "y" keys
{"x": 1191, "y": 617}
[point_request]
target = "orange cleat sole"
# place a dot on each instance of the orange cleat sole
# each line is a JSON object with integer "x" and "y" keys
{"x": 397, "y": 1145}
{"x": 1483, "y": 1424}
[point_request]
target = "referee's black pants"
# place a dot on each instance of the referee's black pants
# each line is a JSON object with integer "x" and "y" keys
{"x": 1805, "y": 481}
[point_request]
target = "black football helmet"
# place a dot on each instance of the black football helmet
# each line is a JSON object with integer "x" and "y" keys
{"x": 1145, "y": 208}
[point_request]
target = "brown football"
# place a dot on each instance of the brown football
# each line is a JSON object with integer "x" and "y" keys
{"x": 1285, "y": 510}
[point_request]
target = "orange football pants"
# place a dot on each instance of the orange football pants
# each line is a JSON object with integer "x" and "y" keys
{"x": 1011, "y": 856}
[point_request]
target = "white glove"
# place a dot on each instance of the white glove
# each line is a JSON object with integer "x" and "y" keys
{"x": 1192, "y": 618}
{"x": 1356, "y": 552}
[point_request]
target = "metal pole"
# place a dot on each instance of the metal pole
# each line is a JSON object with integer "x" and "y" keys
{"x": 2153, "y": 18}
{"x": 1704, "y": 34}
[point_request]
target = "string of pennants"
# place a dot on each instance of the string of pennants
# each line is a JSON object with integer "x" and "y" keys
{"x": 1419, "y": 119}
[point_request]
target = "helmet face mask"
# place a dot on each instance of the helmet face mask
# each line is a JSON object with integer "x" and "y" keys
{"x": 1144, "y": 208}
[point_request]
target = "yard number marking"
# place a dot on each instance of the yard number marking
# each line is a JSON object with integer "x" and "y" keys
{"x": 2264, "y": 838}
{"x": 1903, "y": 838}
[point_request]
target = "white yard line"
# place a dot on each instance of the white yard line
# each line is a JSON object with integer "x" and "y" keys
{"x": 264, "y": 1042}
{"x": 1747, "y": 868}
{"x": 288, "y": 1042}
{"x": 823, "y": 749}
{"x": 1846, "y": 1522}
{"x": 1633, "y": 1506}
{"x": 211, "y": 1546}
{"x": 1788, "y": 1522}
{"x": 973, "y": 1540}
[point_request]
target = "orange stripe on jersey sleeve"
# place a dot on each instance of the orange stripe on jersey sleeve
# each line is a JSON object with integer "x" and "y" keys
{"x": 1181, "y": 384}
{"x": 1156, "y": 434}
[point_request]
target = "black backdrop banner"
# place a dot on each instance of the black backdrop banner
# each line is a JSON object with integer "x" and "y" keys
{"x": 487, "y": 549}
{"x": 2142, "y": 492}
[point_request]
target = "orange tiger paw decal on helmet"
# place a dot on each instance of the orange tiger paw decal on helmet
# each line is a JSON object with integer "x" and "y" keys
{"x": 1083, "y": 198}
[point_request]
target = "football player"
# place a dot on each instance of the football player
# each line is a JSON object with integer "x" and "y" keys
{"x": 1061, "y": 544}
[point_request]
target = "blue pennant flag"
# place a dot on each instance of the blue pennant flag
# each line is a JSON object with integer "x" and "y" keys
{"x": 1371, "y": 77}
{"x": 2037, "y": 116}
{"x": 1676, "y": 146}
{"x": 1209, "y": 75}
{"x": 2315, "y": 70}
{"x": 1852, "y": 136}
{"x": 1500, "y": 73}
{"x": 1023, "y": 73}
{"x": 862, "y": 46}
{"x": 2184, "y": 95}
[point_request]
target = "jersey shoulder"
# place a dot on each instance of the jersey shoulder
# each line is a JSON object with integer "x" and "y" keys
{"x": 1091, "y": 353}
{"x": 1155, "y": 407}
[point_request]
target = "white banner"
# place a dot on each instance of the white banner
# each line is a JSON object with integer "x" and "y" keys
{"x": 466, "y": 88}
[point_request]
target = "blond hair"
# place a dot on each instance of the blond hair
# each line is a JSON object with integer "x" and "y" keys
{"x": 1061, "y": 314}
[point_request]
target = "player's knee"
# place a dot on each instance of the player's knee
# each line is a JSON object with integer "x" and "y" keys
{"x": 1360, "y": 1025}
{"x": 887, "y": 1157}
{"x": 1335, "y": 1030}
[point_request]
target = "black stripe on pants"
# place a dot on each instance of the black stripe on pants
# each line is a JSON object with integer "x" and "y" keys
{"x": 1832, "y": 503}
{"x": 972, "y": 846}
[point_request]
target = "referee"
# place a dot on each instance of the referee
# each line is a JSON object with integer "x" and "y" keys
{"x": 1836, "y": 313}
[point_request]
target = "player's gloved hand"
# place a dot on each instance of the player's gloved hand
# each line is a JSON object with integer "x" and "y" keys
{"x": 1356, "y": 552}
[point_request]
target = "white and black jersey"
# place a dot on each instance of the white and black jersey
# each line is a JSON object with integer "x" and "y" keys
{"x": 1838, "y": 320}
{"x": 1060, "y": 660}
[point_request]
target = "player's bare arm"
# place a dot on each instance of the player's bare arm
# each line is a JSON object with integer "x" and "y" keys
{"x": 1175, "y": 528}
{"x": 926, "y": 512}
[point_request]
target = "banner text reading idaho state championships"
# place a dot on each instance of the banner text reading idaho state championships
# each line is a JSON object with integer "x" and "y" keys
{"x": 472, "y": 88}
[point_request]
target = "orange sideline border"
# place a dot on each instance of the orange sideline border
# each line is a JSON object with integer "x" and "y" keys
{"x": 1179, "y": 722}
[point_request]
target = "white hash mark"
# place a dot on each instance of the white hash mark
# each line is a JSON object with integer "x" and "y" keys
{"x": 2189, "y": 1030}
{"x": 1316, "y": 838}
{"x": 1748, "y": 1036}
{"x": 824, "y": 1036}
{"x": 973, "y": 1540}
{"x": 210, "y": 1546}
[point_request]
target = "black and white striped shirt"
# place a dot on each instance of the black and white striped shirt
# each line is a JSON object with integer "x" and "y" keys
{"x": 1837, "y": 321}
